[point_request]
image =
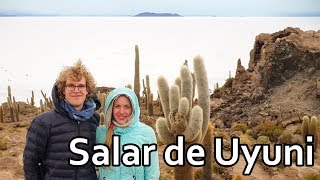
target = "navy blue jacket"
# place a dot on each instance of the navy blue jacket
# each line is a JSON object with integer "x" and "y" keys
{"x": 46, "y": 155}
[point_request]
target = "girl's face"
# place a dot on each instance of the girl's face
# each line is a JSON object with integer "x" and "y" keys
{"x": 122, "y": 109}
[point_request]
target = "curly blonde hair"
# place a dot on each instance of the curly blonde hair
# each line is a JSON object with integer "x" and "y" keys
{"x": 75, "y": 72}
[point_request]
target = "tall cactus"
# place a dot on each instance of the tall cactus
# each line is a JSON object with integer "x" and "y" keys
{"x": 207, "y": 143}
{"x": 313, "y": 131}
{"x": 9, "y": 93}
{"x": 137, "y": 73}
{"x": 309, "y": 127}
{"x": 144, "y": 94}
{"x": 149, "y": 96}
{"x": 180, "y": 117}
{"x": 305, "y": 126}
{"x": 32, "y": 99}
{"x": 16, "y": 109}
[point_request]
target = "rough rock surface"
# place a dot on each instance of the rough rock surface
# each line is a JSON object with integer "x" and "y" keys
{"x": 282, "y": 77}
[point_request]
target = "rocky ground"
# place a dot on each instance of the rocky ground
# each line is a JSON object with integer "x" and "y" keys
{"x": 269, "y": 99}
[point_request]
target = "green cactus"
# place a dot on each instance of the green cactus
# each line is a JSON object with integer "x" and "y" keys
{"x": 145, "y": 94}
{"x": 149, "y": 97}
{"x": 137, "y": 73}
{"x": 150, "y": 105}
{"x": 305, "y": 126}
{"x": 11, "y": 109}
{"x": 9, "y": 93}
{"x": 313, "y": 131}
{"x": 32, "y": 99}
{"x": 16, "y": 109}
{"x": 42, "y": 106}
{"x": 180, "y": 117}
{"x": 48, "y": 102}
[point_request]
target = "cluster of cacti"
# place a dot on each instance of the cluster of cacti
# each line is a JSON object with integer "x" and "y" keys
{"x": 48, "y": 102}
{"x": 102, "y": 98}
{"x": 309, "y": 127}
{"x": 31, "y": 99}
{"x": 137, "y": 74}
{"x": 180, "y": 117}
{"x": 13, "y": 107}
{"x": 43, "y": 106}
{"x": 147, "y": 96}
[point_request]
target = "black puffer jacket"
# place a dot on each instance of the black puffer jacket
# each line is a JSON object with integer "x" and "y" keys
{"x": 47, "y": 153}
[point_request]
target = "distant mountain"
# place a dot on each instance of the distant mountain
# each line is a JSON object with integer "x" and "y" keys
{"x": 150, "y": 14}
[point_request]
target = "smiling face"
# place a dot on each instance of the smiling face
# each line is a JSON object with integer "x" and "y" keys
{"x": 122, "y": 109}
{"x": 76, "y": 95}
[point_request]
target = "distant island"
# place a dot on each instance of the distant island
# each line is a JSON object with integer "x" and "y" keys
{"x": 150, "y": 14}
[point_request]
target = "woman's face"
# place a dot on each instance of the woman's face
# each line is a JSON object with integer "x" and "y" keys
{"x": 122, "y": 109}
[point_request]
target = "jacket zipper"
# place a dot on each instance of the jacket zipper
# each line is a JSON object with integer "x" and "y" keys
{"x": 134, "y": 173}
{"x": 76, "y": 172}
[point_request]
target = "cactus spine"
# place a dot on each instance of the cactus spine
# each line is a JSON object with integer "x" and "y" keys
{"x": 137, "y": 73}
{"x": 180, "y": 117}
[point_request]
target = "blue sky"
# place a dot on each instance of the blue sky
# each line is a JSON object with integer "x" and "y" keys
{"x": 182, "y": 7}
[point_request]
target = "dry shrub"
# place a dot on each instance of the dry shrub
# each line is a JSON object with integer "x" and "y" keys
{"x": 222, "y": 134}
{"x": 166, "y": 173}
{"x": 198, "y": 174}
{"x": 286, "y": 138}
{"x": 3, "y": 144}
{"x": 228, "y": 83}
{"x": 263, "y": 140}
{"x": 249, "y": 132}
{"x": 246, "y": 139}
{"x": 239, "y": 127}
{"x": 311, "y": 176}
{"x": 270, "y": 129}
